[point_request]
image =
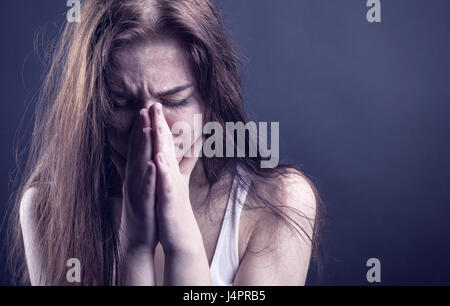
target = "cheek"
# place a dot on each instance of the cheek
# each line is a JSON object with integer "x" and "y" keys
{"x": 192, "y": 119}
{"x": 186, "y": 127}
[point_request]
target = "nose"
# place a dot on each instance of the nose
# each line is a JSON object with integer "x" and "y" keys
{"x": 146, "y": 97}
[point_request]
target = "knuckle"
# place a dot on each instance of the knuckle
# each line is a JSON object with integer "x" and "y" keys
{"x": 168, "y": 188}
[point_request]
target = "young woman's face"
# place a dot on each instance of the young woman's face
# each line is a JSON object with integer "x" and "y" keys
{"x": 149, "y": 72}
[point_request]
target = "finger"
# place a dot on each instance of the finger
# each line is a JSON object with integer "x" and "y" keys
{"x": 135, "y": 136}
{"x": 163, "y": 185}
{"x": 146, "y": 142}
{"x": 162, "y": 136}
{"x": 139, "y": 143}
{"x": 149, "y": 182}
{"x": 138, "y": 173}
{"x": 143, "y": 156}
{"x": 145, "y": 117}
{"x": 191, "y": 157}
{"x": 145, "y": 148}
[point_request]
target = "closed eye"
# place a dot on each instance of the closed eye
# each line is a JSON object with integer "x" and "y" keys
{"x": 174, "y": 98}
{"x": 120, "y": 101}
{"x": 177, "y": 104}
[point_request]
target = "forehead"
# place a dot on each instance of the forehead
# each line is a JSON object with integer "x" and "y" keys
{"x": 153, "y": 65}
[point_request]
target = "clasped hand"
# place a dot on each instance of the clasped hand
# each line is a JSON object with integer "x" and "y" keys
{"x": 156, "y": 205}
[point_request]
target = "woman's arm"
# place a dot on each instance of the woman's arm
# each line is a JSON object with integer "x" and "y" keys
{"x": 186, "y": 262}
{"x": 138, "y": 238}
{"x": 28, "y": 224}
{"x": 285, "y": 261}
{"x": 187, "y": 267}
{"x": 138, "y": 267}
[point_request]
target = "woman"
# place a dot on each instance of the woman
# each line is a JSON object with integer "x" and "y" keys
{"x": 104, "y": 184}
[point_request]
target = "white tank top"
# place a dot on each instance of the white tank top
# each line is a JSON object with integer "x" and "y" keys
{"x": 225, "y": 260}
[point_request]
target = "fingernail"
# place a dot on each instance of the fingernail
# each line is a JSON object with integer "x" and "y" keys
{"x": 158, "y": 108}
{"x": 146, "y": 130}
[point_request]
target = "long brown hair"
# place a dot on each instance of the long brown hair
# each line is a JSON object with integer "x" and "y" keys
{"x": 68, "y": 160}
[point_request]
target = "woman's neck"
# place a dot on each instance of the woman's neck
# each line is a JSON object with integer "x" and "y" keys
{"x": 198, "y": 177}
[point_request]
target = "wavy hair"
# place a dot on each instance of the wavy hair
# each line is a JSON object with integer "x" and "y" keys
{"x": 68, "y": 160}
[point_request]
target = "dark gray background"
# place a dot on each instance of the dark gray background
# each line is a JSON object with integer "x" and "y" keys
{"x": 364, "y": 108}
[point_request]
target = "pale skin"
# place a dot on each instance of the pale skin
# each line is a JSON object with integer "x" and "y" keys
{"x": 166, "y": 236}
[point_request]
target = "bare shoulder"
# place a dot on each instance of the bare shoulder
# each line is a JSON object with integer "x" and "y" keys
{"x": 291, "y": 214}
{"x": 279, "y": 232}
{"x": 297, "y": 192}
{"x": 28, "y": 223}
{"x": 288, "y": 192}
{"x": 27, "y": 212}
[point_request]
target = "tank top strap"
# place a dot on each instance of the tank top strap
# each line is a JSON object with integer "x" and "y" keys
{"x": 225, "y": 261}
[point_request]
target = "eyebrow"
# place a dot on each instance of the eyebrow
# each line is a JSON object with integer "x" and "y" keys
{"x": 166, "y": 93}
{"x": 173, "y": 90}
